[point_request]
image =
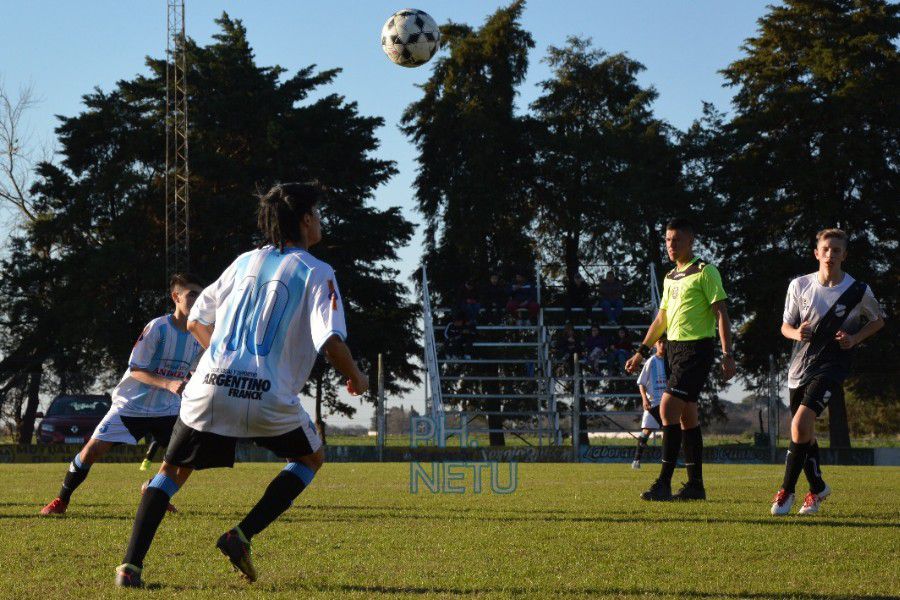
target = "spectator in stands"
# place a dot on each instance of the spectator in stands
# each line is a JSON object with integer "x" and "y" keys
{"x": 567, "y": 345}
{"x": 622, "y": 348}
{"x": 595, "y": 349}
{"x": 578, "y": 295}
{"x": 495, "y": 296}
{"x": 458, "y": 337}
{"x": 522, "y": 304}
{"x": 610, "y": 291}
{"x": 469, "y": 303}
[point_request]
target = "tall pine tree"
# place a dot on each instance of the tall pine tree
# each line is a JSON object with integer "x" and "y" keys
{"x": 814, "y": 142}
{"x": 474, "y": 162}
{"x": 98, "y": 244}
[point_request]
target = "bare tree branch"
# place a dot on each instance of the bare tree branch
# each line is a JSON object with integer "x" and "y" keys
{"x": 17, "y": 160}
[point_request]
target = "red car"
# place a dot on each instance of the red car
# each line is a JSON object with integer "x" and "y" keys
{"x": 71, "y": 419}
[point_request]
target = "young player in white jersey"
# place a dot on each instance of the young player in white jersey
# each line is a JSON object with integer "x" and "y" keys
{"x": 147, "y": 399}
{"x": 264, "y": 321}
{"x": 652, "y": 384}
{"x": 826, "y": 314}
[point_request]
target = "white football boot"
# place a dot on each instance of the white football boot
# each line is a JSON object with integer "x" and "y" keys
{"x": 812, "y": 501}
{"x": 782, "y": 503}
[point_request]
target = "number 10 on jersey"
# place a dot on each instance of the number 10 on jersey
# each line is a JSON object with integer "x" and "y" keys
{"x": 258, "y": 315}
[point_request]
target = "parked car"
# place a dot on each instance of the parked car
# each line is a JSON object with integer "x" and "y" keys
{"x": 72, "y": 418}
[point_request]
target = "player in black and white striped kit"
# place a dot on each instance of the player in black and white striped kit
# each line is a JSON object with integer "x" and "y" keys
{"x": 826, "y": 313}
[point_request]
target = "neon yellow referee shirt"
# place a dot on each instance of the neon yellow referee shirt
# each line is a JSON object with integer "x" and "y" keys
{"x": 688, "y": 296}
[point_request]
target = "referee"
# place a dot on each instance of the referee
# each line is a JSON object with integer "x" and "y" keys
{"x": 693, "y": 302}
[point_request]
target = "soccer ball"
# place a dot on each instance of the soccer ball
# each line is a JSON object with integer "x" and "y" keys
{"x": 410, "y": 37}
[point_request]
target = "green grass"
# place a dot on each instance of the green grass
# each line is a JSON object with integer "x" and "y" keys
{"x": 568, "y": 531}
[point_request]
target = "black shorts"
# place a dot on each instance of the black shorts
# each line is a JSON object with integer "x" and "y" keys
{"x": 814, "y": 394}
{"x": 654, "y": 412}
{"x": 689, "y": 365}
{"x": 206, "y": 450}
{"x": 159, "y": 428}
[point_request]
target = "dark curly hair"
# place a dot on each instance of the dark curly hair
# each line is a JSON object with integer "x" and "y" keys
{"x": 282, "y": 207}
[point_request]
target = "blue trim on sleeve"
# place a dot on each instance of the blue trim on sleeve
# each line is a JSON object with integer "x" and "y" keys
{"x": 302, "y": 471}
{"x": 168, "y": 486}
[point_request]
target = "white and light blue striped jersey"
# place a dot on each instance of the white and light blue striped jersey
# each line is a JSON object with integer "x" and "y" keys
{"x": 165, "y": 350}
{"x": 653, "y": 378}
{"x": 272, "y": 311}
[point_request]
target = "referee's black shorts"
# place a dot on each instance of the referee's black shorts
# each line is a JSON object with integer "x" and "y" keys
{"x": 689, "y": 365}
{"x": 207, "y": 450}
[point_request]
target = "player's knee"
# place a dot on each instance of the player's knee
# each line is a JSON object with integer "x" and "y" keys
{"x": 314, "y": 461}
{"x": 94, "y": 451}
{"x": 801, "y": 428}
{"x": 318, "y": 459}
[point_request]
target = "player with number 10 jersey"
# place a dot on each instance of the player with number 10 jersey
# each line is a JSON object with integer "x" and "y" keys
{"x": 263, "y": 323}
{"x": 272, "y": 311}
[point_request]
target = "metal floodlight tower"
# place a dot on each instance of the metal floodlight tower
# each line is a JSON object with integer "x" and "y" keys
{"x": 177, "y": 199}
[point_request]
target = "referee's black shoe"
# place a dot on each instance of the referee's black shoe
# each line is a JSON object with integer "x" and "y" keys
{"x": 658, "y": 492}
{"x": 692, "y": 490}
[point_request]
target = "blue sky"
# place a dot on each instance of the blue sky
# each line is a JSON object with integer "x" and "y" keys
{"x": 64, "y": 49}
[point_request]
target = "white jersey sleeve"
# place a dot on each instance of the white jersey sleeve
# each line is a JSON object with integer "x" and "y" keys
{"x": 644, "y": 378}
{"x": 326, "y": 309}
{"x": 869, "y": 306}
{"x": 792, "y": 305}
{"x": 204, "y": 309}
{"x": 142, "y": 355}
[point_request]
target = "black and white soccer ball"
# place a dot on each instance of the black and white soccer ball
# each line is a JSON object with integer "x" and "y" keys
{"x": 410, "y": 37}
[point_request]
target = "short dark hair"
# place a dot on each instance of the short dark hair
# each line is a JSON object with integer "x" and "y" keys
{"x": 183, "y": 280}
{"x": 282, "y": 207}
{"x": 832, "y": 232}
{"x": 680, "y": 224}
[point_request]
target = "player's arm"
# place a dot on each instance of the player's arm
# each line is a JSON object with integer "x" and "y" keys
{"x": 645, "y": 401}
{"x": 803, "y": 333}
{"x": 799, "y": 333}
{"x": 176, "y": 386}
{"x": 338, "y": 354}
{"x": 729, "y": 368}
{"x": 654, "y": 332}
{"x": 202, "y": 332}
{"x": 848, "y": 340}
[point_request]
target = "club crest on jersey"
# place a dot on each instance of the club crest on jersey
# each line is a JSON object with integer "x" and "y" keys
{"x": 674, "y": 292}
{"x": 332, "y": 293}
{"x": 839, "y": 310}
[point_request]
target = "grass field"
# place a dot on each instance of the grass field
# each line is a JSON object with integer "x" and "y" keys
{"x": 567, "y": 531}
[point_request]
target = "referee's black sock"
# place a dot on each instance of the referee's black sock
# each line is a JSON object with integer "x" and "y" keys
{"x": 813, "y": 469}
{"x": 671, "y": 444}
{"x": 76, "y": 475}
{"x": 796, "y": 457}
{"x": 693, "y": 454}
{"x": 150, "y": 514}
{"x": 286, "y": 486}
